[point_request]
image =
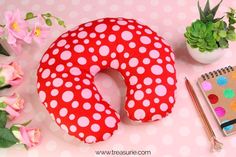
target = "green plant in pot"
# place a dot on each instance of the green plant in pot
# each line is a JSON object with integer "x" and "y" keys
{"x": 208, "y": 37}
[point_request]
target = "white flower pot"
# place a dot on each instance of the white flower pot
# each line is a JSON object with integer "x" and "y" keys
{"x": 205, "y": 57}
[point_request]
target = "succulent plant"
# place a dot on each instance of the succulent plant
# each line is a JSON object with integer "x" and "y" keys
{"x": 209, "y": 33}
{"x": 199, "y": 35}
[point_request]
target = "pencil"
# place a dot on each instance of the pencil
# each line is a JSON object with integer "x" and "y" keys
{"x": 216, "y": 145}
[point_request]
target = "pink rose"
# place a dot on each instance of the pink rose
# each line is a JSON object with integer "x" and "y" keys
{"x": 30, "y": 137}
{"x": 13, "y": 105}
{"x": 10, "y": 74}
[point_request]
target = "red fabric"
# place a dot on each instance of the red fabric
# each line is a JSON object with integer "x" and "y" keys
{"x": 67, "y": 69}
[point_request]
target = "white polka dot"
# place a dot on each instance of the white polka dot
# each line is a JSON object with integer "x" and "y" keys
{"x": 120, "y": 48}
{"x": 115, "y": 64}
{"x": 104, "y": 50}
{"x": 161, "y": 90}
{"x": 140, "y": 70}
{"x": 95, "y": 127}
{"x": 86, "y": 106}
{"x": 154, "y": 54}
{"x": 142, "y": 49}
{"x": 82, "y": 60}
{"x": 96, "y": 116}
{"x": 86, "y": 93}
{"x": 61, "y": 43}
{"x": 60, "y": 68}
{"x": 171, "y": 99}
{"x": 75, "y": 71}
{"x": 45, "y": 58}
{"x": 133, "y": 80}
{"x": 82, "y": 34}
{"x": 106, "y": 136}
{"x": 156, "y": 117}
{"x": 110, "y": 122}
{"x": 72, "y": 117}
{"x": 90, "y": 139}
{"x": 64, "y": 127}
{"x": 156, "y": 69}
{"x": 112, "y": 38}
{"x": 63, "y": 112}
{"x": 133, "y": 62}
{"x": 122, "y": 22}
{"x": 55, "y": 51}
{"x": 132, "y": 45}
{"x": 145, "y": 40}
{"x": 146, "y": 103}
{"x": 99, "y": 107}
{"x": 164, "y": 107}
{"x": 131, "y": 104}
{"x": 170, "y": 80}
{"x": 139, "y": 114}
{"x": 51, "y": 61}
{"x": 83, "y": 121}
{"x": 138, "y": 95}
{"x": 170, "y": 68}
{"x": 94, "y": 69}
{"x": 46, "y": 73}
{"x": 57, "y": 82}
{"x": 75, "y": 104}
{"x": 69, "y": 84}
{"x": 126, "y": 35}
{"x": 42, "y": 96}
{"x": 73, "y": 128}
{"x": 101, "y": 28}
{"x": 79, "y": 48}
{"x": 54, "y": 92}
{"x": 115, "y": 28}
{"x": 147, "y": 81}
{"x": 67, "y": 96}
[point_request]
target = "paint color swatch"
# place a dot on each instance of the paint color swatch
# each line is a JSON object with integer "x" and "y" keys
{"x": 219, "y": 88}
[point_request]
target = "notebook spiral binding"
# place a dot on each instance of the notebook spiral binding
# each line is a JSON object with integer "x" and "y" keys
{"x": 218, "y": 72}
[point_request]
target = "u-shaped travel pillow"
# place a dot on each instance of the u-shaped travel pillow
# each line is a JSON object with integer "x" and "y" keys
{"x": 67, "y": 69}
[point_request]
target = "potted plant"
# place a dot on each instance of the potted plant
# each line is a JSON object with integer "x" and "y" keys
{"x": 208, "y": 37}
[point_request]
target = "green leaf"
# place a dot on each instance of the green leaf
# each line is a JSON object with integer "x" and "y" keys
{"x": 214, "y": 10}
{"x": 27, "y": 123}
{"x": 202, "y": 16}
{"x": 29, "y": 15}
{"x": 3, "y": 119}
{"x": 48, "y": 22}
{"x": 222, "y": 33}
{"x": 218, "y": 19}
{"x": 231, "y": 35}
{"x": 2, "y": 80}
{"x": 47, "y": 15}
{"x": 3, "y": 105}
{"x": 207, "y": 7}
{"x": 3, "y": 51}
{"x": 7, "y": 139}
{"x": 223, "y": 43}
{"x": 61, "y": 23}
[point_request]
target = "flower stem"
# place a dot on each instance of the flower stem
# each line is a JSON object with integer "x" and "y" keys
{"x": 2, "y": 25}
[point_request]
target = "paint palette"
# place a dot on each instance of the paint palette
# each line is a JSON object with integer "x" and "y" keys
{"x": 219, "y": 89}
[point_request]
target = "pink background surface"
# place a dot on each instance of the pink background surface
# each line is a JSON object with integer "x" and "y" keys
{"x": 180, "y": 134}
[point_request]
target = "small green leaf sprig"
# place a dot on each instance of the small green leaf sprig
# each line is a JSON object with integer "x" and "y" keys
{"x": 48, "y": 18}
{"x": 209, "y": 33}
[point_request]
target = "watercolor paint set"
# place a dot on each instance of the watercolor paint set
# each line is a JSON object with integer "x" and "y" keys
{"x": 219, "y": 89}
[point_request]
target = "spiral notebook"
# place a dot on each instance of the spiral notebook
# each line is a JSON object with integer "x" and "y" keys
{"x": 219, "y": 89}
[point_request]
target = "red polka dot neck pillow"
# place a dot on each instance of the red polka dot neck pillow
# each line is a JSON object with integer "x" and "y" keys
{"x": 67, "y": 69}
